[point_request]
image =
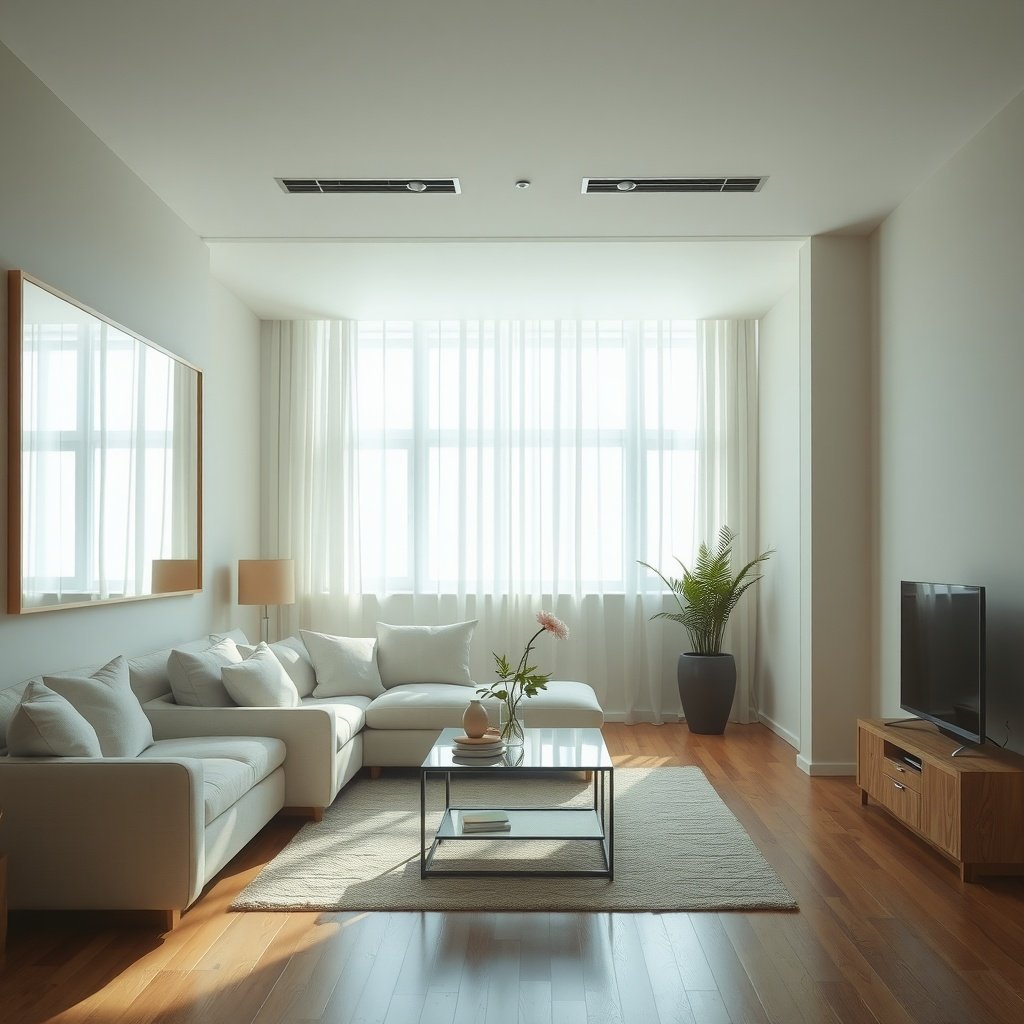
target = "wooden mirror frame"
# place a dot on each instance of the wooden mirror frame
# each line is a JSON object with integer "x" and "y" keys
{"x": 16, "y": 280}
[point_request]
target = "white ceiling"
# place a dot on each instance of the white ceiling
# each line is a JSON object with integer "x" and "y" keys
{"x": 846, "y": 105}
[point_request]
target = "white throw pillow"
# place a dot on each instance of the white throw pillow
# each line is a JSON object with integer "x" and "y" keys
{"x": 195, "y": 677}
{"x": 46, "y": 725}
{"x": 345, "y": 665}
{"x": 260, "y": 682}
{"x": 424, "y": 654}
{"x": 106, "y": 701}
{"x": 292, "y": 654}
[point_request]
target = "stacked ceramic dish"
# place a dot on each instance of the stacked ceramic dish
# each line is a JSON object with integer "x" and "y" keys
{"x": 484, "y": 747}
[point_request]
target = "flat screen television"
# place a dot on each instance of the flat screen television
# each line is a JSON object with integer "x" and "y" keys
{"x": 942, "y": 656}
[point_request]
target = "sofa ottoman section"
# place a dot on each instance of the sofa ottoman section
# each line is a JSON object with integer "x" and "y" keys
{"x": 403, "y": 722}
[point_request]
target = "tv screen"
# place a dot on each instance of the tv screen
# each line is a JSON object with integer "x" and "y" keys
{"x": 942, "y": 656}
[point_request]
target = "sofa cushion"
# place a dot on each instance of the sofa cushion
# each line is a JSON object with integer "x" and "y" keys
{"x": 295, "y": 660}
{"x": 346, "y": 666}
{"x": 195, "y": 676}
{"x": 292, "y": 653}
{"x": 260, "y": 681}
{"x": 45, "y": 724}
{"x": 10, "y": 698}
{"x": 350, "y": 713}
{"x": 422, "y": 706}
{"x": 148, "y": 672}
{"x": 232, "y": 634}
{"x": 106, "y": 701}
{"x": 231, "y": 765}
{"x": 424, "y": 654}
{"x": 439, "y": 706}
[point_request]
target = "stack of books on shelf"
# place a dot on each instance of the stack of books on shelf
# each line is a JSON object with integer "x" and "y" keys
{"x": 485, "y": 821}
{"x": 487, "y": 746}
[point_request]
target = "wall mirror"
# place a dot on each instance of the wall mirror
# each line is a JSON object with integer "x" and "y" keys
{"x": 104, "y": 458}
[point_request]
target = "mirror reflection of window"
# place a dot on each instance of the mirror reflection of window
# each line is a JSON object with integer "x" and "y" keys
{"x": 110, "y": 436}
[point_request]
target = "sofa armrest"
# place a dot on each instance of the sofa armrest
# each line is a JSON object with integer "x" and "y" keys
{"x": 106, "y": 834}
{"x": 310, "y": 734}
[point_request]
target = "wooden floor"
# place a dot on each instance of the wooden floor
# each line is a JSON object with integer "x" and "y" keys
{"x": 885, "y": 932}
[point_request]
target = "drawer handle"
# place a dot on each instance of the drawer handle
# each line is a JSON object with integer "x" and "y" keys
{"x": 899, "y": 785}
{"x": 899, "y": 769}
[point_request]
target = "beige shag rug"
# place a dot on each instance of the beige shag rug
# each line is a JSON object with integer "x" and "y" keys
{"x": 677, "y": 847}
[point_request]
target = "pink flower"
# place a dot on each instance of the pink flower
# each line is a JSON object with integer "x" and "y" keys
{"x": 553, "y": 625}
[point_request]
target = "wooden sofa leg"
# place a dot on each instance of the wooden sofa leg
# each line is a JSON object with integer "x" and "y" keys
{"x": 374, "y": 772}
{"x": 588, "y": 776}
{"x": 169, "y": 920}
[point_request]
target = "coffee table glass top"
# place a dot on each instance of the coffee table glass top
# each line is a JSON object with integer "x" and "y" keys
{"x": 543, "y": 749}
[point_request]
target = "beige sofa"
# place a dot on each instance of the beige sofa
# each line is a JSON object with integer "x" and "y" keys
{"x": 148, "y": 833}
{"x": 132, "y": 833}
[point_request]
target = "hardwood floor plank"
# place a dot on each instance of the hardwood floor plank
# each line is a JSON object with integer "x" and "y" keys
{"x": 438, "y": 1008}
{"x": 566, "y": 959}
{"x": 670, "y": 998}
{"x": 632, "y": 978}
{"x": 761, "y": 961}
{"x": 600, "y": 989}
{"x": 734, "y": 984}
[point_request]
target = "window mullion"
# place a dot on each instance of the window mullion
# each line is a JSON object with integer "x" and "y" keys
{"x": 419, "y": 458}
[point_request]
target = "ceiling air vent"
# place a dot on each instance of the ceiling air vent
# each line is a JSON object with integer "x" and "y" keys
{"x": 634, "y": 185}
{"x": 365, "y": 186}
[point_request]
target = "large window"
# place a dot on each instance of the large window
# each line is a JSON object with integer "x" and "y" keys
{"x": 544, "y": 455}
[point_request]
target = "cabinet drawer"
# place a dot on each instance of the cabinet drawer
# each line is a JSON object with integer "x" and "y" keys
{"x": 902, "y": 773}
{"x": 901, "y": 800}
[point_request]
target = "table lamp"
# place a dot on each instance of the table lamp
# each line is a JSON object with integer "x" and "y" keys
{"x": 174, "y": 575}
{"x": 266, "y": 581}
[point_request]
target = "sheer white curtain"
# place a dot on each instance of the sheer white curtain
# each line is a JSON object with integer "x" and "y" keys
{"x": 434, "y": 471}
{"x": 430, "y": 472}
{"x": 727, "y": 472}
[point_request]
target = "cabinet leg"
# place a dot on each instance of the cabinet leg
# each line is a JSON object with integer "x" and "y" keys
{"x": 967, "y": 873}
{"x": 864, "y": 797}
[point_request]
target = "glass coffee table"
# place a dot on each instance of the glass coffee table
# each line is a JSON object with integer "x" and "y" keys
{"x": 545, "y": 752}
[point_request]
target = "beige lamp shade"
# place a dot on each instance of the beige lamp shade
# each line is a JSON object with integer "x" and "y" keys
{"x": 172, "y": 575}
{"x": 266, "y": 581}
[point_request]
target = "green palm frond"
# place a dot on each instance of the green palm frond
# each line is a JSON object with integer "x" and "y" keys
{"x": 708, "y": 593}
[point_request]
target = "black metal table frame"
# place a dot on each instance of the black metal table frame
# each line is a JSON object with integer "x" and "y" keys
{"x": 603, "y": 806}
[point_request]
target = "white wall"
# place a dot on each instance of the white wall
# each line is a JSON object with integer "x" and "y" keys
{"x": 73, "y": 215}
{"x": 777, "y": 665}
{"x": 950, "y": 297}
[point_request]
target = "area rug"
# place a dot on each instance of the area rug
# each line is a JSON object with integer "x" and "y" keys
{"x": 677, "y": 847}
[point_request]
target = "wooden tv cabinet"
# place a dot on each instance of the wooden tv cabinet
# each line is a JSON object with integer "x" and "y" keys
{"x": 969, "y": 807}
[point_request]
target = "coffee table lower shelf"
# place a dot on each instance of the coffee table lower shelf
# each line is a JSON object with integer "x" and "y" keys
{"x": 577, "y": 825}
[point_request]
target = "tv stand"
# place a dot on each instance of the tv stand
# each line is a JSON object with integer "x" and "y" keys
{"x": 970, "y": 809}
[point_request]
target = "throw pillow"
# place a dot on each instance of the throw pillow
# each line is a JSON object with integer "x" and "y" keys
{"x": 46, "y": 725}
{"x": 292, "y": 654}
{"x": 106, "y": 701}
{"x": 195, "y": 677}
{"x": 345, "y": 665}
{"x": 424, "y": 654}
{"x": 260, "y": 682}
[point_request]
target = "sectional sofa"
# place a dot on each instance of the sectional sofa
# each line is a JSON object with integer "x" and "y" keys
{"x": 148, "y": 831}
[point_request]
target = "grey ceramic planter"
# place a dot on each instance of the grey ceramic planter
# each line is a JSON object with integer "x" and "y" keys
{"x": 707, "y": 685}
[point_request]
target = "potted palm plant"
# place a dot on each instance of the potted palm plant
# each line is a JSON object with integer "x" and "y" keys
{"x": 706, "y": 596}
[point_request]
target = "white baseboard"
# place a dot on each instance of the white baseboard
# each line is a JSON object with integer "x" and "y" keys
{"x": 780, "y": 731}
{"x": 825, "y": 767}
